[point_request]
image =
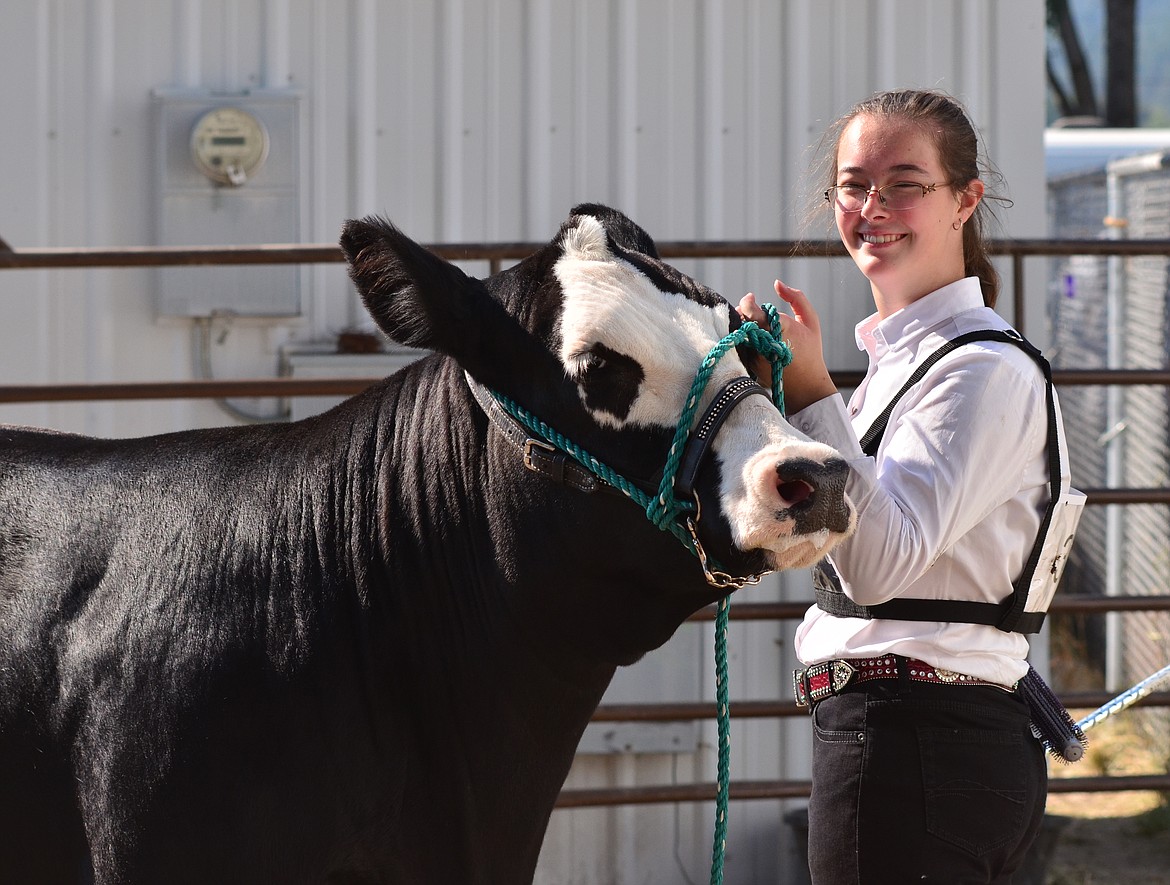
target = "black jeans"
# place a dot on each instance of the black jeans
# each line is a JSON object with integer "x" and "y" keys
{"x": 923, "y": 783}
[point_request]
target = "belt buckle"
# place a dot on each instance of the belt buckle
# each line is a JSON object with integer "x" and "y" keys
{"x": 830, "y": 676}
{"x": 800, "y": 688}
{"x": 843, "y": 672}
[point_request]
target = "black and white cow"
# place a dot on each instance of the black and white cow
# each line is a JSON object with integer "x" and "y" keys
{"x": 362, "y": 647}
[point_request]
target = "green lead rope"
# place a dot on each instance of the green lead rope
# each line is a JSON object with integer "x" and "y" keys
{"x": 723, "y": 718}
{"x": 668, "y": 513}
{"x": 779, "y": 355}
{"x": 665, "y": 509}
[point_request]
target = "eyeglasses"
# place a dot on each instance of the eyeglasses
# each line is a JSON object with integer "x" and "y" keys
{"x": 897, "y": 196}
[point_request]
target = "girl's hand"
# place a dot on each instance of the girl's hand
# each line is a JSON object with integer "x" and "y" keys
{"x": 806, "y": 379}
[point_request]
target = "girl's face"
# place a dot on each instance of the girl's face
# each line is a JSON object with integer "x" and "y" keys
{"x": 905, "y": 253}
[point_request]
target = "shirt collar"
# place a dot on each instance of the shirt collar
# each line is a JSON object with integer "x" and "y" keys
{"x": 875, "y": 335}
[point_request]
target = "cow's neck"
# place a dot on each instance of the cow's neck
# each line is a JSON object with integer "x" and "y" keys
{"x": 525, "y": 614}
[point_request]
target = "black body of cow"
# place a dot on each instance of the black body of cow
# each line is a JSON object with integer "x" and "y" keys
{"x": 359, "y": 648}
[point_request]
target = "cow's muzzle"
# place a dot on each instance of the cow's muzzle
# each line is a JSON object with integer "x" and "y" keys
{"x": 813, "y": 494}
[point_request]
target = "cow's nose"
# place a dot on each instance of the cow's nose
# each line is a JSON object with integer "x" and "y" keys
{"x": 813, "y": 492}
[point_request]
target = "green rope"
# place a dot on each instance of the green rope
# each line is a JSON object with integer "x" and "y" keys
{"x": 779, "y": 355}
{"x": 667, "y": 512}
{"x": 723, "y": 717}
{"x": 666, "y": 507}
{"x": 615, "y": 479}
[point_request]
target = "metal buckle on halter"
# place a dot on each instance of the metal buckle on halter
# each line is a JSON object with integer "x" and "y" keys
{"x": 550, "y": 462}
{"x": 529, "y": 445}
{"x": 529, "y": 461}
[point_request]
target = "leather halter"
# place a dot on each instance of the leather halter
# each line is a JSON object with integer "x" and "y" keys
{"x": 703, "y": 436}
{"x": 547, "y": 452}
{"x": 539, "y": 456}
{"x": 543, "y": 458}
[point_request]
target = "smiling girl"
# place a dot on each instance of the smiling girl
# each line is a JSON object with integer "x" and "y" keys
{"x": 924, "y": 765}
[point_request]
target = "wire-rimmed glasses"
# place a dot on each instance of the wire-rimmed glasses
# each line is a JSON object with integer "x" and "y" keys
{"x": 897, "y": 195}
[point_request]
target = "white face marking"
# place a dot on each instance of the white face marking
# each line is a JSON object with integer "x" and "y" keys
{"x": 608, "y": 302}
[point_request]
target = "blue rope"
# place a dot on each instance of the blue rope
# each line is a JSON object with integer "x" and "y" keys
{"x": 668, "y": 513}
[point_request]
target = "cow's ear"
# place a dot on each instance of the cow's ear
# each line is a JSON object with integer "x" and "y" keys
{"x": 414, "y": 296}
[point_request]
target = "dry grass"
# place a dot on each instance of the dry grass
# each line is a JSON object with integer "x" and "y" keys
{"x": 1115, "y": 838}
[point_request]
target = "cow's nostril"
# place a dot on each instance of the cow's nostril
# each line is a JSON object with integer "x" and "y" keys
{"x": 795, "y": 491}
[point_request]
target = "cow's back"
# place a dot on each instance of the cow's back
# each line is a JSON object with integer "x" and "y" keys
{"x": 196, "y": 616}
{"x": 188, "y": 529}
{"x": 149, "y": 590}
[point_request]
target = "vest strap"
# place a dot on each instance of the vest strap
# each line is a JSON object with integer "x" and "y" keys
{"x": 1008, "y": 615}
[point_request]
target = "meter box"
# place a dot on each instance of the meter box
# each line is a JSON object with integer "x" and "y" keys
{"x": 229, "y": 171}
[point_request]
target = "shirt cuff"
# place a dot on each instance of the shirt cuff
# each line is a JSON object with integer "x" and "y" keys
{"x": 827, "y": 421}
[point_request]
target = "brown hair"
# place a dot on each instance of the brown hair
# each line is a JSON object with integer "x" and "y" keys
{"x": 944, "y": 119}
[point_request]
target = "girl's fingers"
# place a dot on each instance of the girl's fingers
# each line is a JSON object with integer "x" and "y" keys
{"x": 792, "y": 296}
{"x": 802, "y": 308}
{"x": 749, "y": 309}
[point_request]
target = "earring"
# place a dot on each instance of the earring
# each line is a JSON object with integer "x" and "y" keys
{"x": 955, "y": 225}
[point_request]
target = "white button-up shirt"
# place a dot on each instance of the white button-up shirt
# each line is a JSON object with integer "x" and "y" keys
{"x": 950, "y": 506}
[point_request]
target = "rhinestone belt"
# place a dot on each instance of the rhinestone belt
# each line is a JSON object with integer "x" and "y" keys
{"x": 819, "y": 681}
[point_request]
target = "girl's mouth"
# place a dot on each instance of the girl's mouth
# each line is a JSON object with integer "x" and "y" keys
{"x": 879, "y": 239}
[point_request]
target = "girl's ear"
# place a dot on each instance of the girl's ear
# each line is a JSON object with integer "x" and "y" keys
{"x": 969, "y": 198}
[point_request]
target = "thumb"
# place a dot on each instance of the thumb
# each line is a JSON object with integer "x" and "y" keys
{"x": 749, "y": 309}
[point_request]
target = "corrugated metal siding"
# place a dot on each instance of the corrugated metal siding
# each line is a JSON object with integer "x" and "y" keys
{"x": 465, "y": 120}
{"x": 468, "y": 120}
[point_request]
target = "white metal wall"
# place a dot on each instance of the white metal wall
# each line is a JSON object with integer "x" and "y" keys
{"x": 480, "y": 120}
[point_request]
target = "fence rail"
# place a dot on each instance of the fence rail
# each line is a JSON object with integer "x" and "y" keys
{"x": 324, "y": 253}
{"x": 495, "y": 254}
{"x": 285, "y": 387}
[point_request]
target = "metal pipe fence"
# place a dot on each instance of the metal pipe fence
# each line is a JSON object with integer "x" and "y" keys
{"x": 496, "y": 254}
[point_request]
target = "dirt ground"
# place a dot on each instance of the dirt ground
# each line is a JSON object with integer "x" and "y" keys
{"x": 1110, "y": 851}
{"x": 1114, "y": 838}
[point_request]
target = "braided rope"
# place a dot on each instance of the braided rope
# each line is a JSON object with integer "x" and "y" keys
{"x": 723, "y": 718}
{"x": 665, "y": 511}
{"x": 665, "y": 506}
{"x": 598, "y": 468}
{"x": 779, "y": 355}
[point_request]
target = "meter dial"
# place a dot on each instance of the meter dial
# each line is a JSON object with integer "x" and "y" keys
{"x": 228, "y": 145}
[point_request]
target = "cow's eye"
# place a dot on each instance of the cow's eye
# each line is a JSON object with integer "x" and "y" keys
{"x": 609, "y": 380}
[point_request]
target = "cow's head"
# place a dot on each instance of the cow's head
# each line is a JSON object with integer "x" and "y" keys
{"x": 601, "y": 340}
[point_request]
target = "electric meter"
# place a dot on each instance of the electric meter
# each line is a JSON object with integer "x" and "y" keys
{"x": 228, "y": 145}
